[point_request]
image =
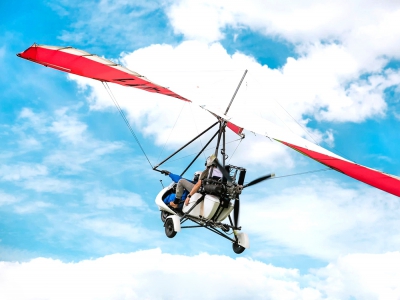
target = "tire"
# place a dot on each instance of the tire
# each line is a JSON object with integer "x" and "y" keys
{"x": 237, "y": 248}
{"x": 169, "y": 228}
{"x": 164, "y": 215}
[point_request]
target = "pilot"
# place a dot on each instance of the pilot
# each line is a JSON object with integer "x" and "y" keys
{"x": 184, "y": 184}
{"x": 175, "y": 178}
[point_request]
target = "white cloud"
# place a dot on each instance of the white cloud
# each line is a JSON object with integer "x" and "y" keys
{"x": 22, "y": 171}
{"x": 26, "y": 208}
{"x": 77, "y": 146}
{"x": 362, "y": 276}
{"x": 29, "y": 143}
{"x": 97, "y": 19}
{"x": 110, "y": 199}
{"x": 6, "y": 199}
{"x": 48, "y": 184}
{"x": 148, "y": 275}
{"x": 335, "y": 43}
{"x": 127, "y": 231}
{"x": 320, "y": 219}
{"x": 68, "y": 128}
{"x": 300, "y": 22}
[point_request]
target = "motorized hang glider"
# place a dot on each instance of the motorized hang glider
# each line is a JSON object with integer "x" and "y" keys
{"x": 209, "y": 208}
{"x": 71, "y": 60}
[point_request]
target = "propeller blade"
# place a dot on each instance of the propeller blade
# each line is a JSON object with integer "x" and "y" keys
{"x": 223, "y": 171}
{"x": 259, "y": 179}
{"x": 236, "y": 208}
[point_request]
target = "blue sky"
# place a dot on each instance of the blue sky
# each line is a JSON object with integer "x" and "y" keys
{"x": 76, "y": 191}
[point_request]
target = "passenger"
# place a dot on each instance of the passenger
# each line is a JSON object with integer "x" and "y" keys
{"x": 176, "y": 178}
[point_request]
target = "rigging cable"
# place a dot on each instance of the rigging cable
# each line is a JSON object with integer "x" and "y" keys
{"x": 124, "y": 117}
{"x": 234, "y": 151}
{"x": 197, "y": 129}
{"x": 301, "y": 126}
{"x": 162, "y": 150}
{"x": 302, "y": 173}
{"x": 294, "y": 119}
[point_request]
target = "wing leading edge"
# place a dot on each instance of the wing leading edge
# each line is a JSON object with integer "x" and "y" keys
{"x": 82, "y": 63}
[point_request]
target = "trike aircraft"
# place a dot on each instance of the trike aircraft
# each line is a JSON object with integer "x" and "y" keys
{"x": 216, "y": 205}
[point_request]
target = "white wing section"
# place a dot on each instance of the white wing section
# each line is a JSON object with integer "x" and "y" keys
{"x": 270, "y": 130}
{"x": 380, "y": 180}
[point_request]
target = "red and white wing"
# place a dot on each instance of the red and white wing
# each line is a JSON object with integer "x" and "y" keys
{"x": 79, "y": 62}
{"x": 386, "y": 182}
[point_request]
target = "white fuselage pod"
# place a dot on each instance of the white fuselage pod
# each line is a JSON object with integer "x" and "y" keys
{"x": 205, "y": 209}
{"x": 159, "y": 199}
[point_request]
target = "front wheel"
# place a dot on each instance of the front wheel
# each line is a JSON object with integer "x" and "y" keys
{"x": 169, "y": 228}
{"x": 237, "y": 248}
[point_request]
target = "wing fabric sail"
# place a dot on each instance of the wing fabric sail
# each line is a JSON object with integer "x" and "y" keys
{"x": 81, "y": 63}
{"x": 74, "y": 61}
{"x": 375, "y": 178}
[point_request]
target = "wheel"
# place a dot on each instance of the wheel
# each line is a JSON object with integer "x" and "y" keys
{"x": 169, "y": 228}
{"x": 237, "y": 248}
{"x": 164, "y": 215}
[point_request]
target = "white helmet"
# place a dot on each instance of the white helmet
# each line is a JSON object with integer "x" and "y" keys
{"x": 196, "y": 175}
{"x": 210, "y": 160}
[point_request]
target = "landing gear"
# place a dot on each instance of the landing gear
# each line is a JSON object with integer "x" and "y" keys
{"x": 169, "y": 228}
{"x": 237, "y": 248}
{"x": 225, "y": 228}
{"x": 164, "y": 215}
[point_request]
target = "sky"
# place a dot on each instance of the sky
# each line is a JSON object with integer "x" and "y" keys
{"x": 77, "y": 211}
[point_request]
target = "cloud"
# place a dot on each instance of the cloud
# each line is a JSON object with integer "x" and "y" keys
{"x": 6, "y": 199}
{"x": 122, "y": 22}
{"x": 48, "y": 184}
{"x": 110, "y": 199}
{"x": 77, "y": 146}
{"x": 321, "y": 219}
{"x": 148, "y": 274}
{"x": 136, "y": 275}
{"x": 22, "y": 171}
{"x": 68, "y": 128}
{"x": 31, "y": 207}
{"x": 120, "y": 230}
{"x": 302, "y": 22}
{"x": 362, "y": 276}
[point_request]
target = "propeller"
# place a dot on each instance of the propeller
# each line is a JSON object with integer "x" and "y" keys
{"x": 236, "y": 208}
{"x": 236, "y": 205}
{"x": 259, "y": 179}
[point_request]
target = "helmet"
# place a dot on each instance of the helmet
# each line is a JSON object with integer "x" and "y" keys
{"x": 210, "y": 160}
{"x": 196, "y": 175}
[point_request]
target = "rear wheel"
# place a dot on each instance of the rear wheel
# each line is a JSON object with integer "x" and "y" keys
{"x": 169, "y": 228}
{"x": 237, "y": 248}
{"x": 164, "y": 215}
